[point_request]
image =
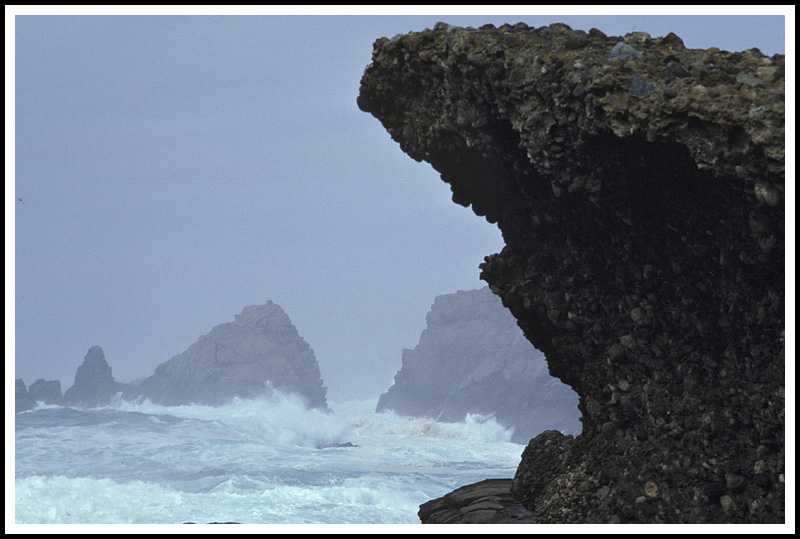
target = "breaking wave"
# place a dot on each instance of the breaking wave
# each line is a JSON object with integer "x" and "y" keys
{"x": 266, "y": 460}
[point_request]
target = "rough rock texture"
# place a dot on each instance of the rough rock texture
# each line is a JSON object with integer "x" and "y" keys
{"x": 94, "y": 384}
{"x": 22, "y": 399}
{"x": 639, "y": 187}
{"x": 487, "y": 502}
{"x": 473, "y": 358}
{"x": 244, "y": 358}
{"x": 46, "y": 391}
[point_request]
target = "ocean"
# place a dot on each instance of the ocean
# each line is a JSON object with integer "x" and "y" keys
{"x": 263, "y": 461}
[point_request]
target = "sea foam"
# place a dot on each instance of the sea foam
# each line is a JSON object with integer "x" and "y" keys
{"x": 253, "y": 461}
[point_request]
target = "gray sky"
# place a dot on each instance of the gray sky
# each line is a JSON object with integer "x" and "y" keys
{"x": 173, "y": 170}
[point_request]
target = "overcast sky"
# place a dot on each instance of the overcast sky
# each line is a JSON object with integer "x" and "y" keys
{"x": 170, "y": 171}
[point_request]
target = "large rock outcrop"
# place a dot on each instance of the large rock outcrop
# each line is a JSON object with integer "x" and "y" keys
{"x": 260, "y": 350}
{"x": 639, "y": 187}
{"x": 94, "y": 384}
{"x": 487, "y": 502}
{"x": 473, "y": 358}
{"x": 46, "y": 391}
{"x": 22, "y": 398}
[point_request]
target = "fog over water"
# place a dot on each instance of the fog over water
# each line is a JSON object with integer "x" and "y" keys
{"x": 170, "y": 171}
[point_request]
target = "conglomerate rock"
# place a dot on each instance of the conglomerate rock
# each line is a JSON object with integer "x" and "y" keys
{"x": 639, "y": 187}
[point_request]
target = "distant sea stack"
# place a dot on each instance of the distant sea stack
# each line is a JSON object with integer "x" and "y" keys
{"x": 41, "y": 391}
{"x": 94, "y": 385}
{"x": 473, "y": 358}
{"x": 260, "y": 348}
{"x": 640, "y": 190}
{"x": 22, "y": 399}
{"x": 47, "y": 391}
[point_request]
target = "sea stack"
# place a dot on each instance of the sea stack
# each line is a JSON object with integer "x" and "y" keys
{"x": 473, "y": 359}
{"x": 640, "y": 189}
{"x": 94, "y": 385}
{"x": 46, "y": 391}
{"x": 260, "y": 351}
{"x": 22, "y": 399}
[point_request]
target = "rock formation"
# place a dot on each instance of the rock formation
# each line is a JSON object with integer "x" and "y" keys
{"x": 244, "y": 358}
{"x": 46, "y": 391}
{"x": 639, "y": 187}
{"x": 22, "y": 399}
{"x": 94, "y": 384}
{"x": 486, "y": 502}
{"x": 473, "y": 358}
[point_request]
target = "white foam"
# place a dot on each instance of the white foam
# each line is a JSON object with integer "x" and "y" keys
{"x": 279, "y": 418}
{"x": 61, "y": 500}
{"x": 253, "y": 461}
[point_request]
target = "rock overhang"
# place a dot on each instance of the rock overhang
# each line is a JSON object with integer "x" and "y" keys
{"x": 544, "y": 94}
{"x": 639, "y": 186}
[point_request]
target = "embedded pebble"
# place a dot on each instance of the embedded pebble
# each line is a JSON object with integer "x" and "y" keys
{"x": 623, "y": 51}
{"x": 638, "y": 87}
{"x": 767, "y": 194}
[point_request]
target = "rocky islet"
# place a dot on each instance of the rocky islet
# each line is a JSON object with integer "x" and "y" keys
{"x": 94, "y": 384}
{"x": 47, "y": 391}
{"x": 259, "y": 351}
{"x": 44, "y": 391}
{"x": 473, "y": 359}
{"x": 22, "y": 398}
{"x": 639, "y": 186}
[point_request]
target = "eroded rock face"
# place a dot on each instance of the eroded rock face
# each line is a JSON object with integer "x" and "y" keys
{"x": 94, "y": 384}
{"x": 473, "y": 359}
{"x": 22, "y": 399}
{"x": 260, "y": 350}
{"x": 639, "y": 187}
{"x": 486, "y": 502}
{"x": 47, "y": 391}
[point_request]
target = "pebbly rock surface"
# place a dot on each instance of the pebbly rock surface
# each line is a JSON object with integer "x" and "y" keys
{"x": 261, "y": 350}
{"x": 473, "y": 359}
{"x": 46, "y": 391}
{"x": 22, "y": 398}
{"x": 486, "y": 502}
{"x": 94, "y": 384}
{"x": 639, "y": 186}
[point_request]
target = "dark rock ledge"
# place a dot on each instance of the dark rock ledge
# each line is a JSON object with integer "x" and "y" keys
{"x": 487, "y": 502}
{"x": 214, "y": 523}
{"x": 639, "y": 186}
